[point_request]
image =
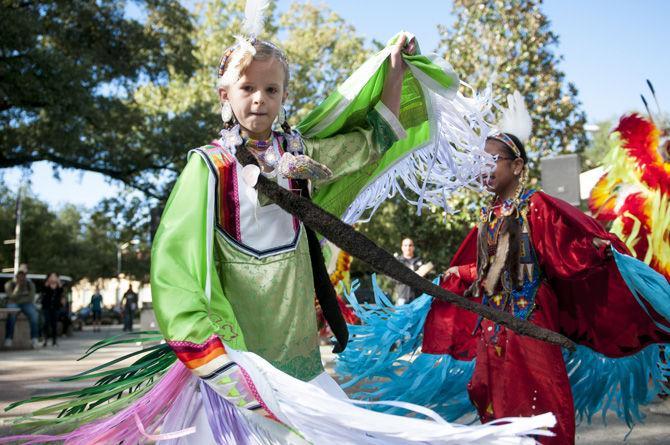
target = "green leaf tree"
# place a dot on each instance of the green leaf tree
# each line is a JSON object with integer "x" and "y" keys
{"x": 67, "y": 74}
{"x": 599, "y": 145}
{"x": 76, "y": 242}
{"x": 510, "y": 43}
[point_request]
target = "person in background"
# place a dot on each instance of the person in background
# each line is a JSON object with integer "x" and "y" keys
{"x": 96, "y": 309}
{"x": 402, "y": 293}
{"x": 52, "y": 301}
{"x": 21, "y": 294}
{"x": 129, "y": 304}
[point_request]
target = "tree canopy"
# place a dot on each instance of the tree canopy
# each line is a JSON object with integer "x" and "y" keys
{"x": 92, "y": 86}
{"x": 67, "y": 74}
{"x": 510, "y": 44}
{"x": 74, "y": 241}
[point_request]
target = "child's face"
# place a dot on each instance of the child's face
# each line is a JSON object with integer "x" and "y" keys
{"x": 257, "y": 96}
{"x": 504, "y": 173}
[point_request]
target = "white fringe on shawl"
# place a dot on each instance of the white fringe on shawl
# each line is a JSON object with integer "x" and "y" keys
{"x": 322, "y": 418}
{"x": 453, "y": 158}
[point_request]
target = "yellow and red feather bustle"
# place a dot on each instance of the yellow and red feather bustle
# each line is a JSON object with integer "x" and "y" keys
{"x": 633, "y": 196}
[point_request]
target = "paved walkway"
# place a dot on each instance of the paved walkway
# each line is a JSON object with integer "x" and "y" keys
{"x": 26, "y": 373}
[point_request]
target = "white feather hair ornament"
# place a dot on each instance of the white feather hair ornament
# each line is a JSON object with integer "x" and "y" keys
{"x": 254, "y": 17}
{"x": 243, "y": 55}
{"x": 240, "y": 59}
{"x": 515, "y": 118}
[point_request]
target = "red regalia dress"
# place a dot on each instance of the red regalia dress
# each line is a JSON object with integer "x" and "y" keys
{"x": 569, "y": 286}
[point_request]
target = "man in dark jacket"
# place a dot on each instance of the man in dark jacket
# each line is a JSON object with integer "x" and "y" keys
{"x": 129, "y": 303}
{"x": 402, "y": 293}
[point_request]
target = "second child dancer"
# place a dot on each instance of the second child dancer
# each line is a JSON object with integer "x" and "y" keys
{"x": 541, "y": 260}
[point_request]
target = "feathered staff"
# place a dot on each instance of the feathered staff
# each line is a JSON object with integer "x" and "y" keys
{"x": 352, "y": 241}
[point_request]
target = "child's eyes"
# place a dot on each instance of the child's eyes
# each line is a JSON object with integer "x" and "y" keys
{"x": 251, "y": 89}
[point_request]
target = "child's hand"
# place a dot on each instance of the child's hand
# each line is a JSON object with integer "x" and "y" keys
{"x": 602, "y": 245}
{"x": 397, "y": 65}
{"x": 452, "y": 271}
{"x": 302, "y": 167}
{"x": 396, "y": 72}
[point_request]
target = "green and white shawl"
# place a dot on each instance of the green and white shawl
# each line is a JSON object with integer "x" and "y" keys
{"x": 444, "y": 145}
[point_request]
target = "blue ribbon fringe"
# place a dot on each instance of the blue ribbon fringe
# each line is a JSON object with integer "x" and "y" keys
{"x": 383, "y": 361}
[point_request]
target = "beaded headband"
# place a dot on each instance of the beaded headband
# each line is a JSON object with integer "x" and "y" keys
{"x": 243, "y": 50}
{"x": 225, "y": 58}
{"x": 502, "y": 137}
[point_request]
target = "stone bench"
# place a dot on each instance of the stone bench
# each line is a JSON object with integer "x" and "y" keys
{"x": 21, "y": 329}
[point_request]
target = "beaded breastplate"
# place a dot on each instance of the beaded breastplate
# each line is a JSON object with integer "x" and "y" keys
{"x": 520, "y": 301}
{"x": 249, "y": 222}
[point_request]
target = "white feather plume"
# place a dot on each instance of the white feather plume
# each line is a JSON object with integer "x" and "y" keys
{"x": 240, "y": 59}
{"x": 515, "y": 118}
{"x": 254, "y": 17}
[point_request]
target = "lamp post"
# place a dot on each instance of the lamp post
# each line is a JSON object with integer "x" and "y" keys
{"x": 17, "y": 230}
{"x": 119, "y": 252}
{"x": 17, "y": 235}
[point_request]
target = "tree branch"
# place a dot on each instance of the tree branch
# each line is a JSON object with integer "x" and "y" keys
{"x": 17, "y": 162}
{"x": 70, "y": 163}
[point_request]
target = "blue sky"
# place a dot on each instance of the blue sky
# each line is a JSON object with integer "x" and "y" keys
{"x": 609, "y": 49}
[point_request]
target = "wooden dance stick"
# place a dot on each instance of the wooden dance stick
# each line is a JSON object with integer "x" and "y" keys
{"x": 363, "y": 248}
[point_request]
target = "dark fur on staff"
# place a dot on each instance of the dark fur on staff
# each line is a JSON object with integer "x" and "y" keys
{"x": 325, "y": 293}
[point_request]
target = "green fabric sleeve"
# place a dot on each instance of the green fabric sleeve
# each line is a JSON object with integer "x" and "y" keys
{"x": 179, "y": 267}
{"x": 350, "y": 152}
{"x": 347, "y": 108}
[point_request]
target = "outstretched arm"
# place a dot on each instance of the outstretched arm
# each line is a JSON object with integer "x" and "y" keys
{"x": 596, "y": 305}
{"x": 396, "y": 72}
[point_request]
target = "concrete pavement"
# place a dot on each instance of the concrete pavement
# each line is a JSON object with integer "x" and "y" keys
{"x": 26, "y": 373}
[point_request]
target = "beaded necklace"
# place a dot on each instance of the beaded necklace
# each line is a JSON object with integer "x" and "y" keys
{"x": 266, "y": 152}
{"x": 494, "y": 222}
